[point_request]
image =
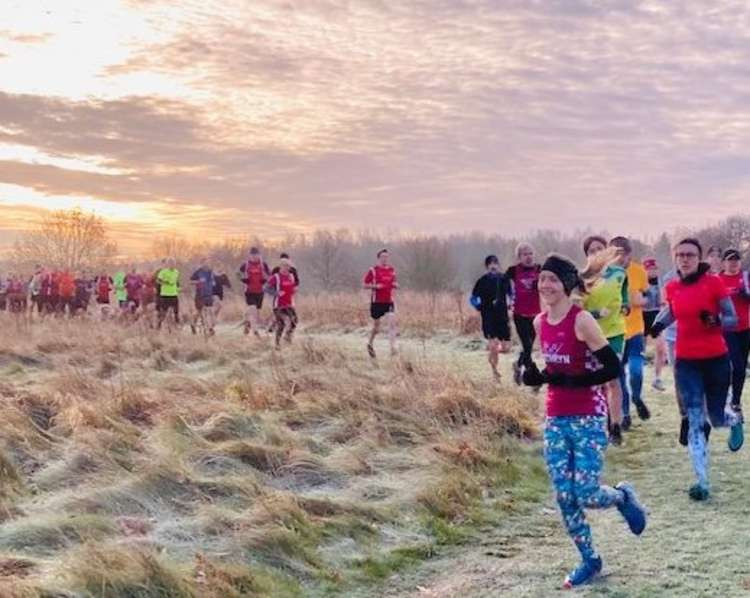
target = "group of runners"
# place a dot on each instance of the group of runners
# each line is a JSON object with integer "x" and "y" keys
{"x": 592, "y": 325}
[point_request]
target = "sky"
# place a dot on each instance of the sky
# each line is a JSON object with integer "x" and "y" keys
{"x": 215, "y": 119}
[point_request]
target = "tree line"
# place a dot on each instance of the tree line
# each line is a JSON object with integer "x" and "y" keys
{"x": 335, "y": 260}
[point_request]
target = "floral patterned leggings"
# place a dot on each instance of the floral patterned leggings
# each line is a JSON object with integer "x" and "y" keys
{"x": 574, "y": 451}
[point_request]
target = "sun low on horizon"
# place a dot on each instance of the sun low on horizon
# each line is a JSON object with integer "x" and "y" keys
{"x": 265, "y": 118}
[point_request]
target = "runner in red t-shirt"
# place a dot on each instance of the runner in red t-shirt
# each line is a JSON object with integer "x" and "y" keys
{"x": 737, "y": 283}
{"x": 699, "y": 302}
{"x": 103, "y": 286}
{"x": 66, "y": 287}
{"x": 254, "y": 273}
{"x": 134, "y": 288}
{"x": 382, "y": 281}
{"x": 283, "y": 286}
{"x": 524, "y": 279}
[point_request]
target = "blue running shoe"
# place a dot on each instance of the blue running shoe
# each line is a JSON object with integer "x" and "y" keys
{"x": 585, "y": 572}
{"x": 632, "y": 510}
{"x": 736, "y": 437}
{"x": 698, "y": 493}
{"x": 736, "y": 432}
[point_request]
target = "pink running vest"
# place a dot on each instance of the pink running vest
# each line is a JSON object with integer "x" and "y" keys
{"x": 564, "y": 353}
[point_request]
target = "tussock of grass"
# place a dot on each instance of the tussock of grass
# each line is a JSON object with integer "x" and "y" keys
{"x": 49, "y": 534}
{"x": 381, "y": 567}
{"x": 291, "y": 467}
{"x": 239, "y": 581}
{"x": 230, "y": 426}
{"x": 114, "y": 572}
{"x": 452, "y": 496}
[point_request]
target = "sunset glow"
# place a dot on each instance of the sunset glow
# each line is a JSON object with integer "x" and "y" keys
{"x": 236, "y": 117}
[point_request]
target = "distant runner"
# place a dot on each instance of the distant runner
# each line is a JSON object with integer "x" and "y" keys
{"x": 254, "y": 273}
{"x": 168, "y": 280}
{"x": 714, "y": 258}
{"x": 133, "y": 290}
{"x": 651, "y": 309}
{"x": 121, "y": 292}
{"x": 490, "y": 297}
{"x": 204, "y": 281}
{"x": 283, "y": 286}
{"x": 382, "y": 281}
{"x": 524, "y": 278}
{"x": 737, "y": 283}
{"x": 104, "y": 286}
{"x": 631, "y": 379}
{"x": 66, "y": 292}
{"x": 606, "y": 299}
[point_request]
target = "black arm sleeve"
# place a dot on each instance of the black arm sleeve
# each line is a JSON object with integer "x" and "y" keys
{"x": 610, "y": 370}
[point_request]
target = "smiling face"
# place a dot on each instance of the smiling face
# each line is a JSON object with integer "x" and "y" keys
{"x": 687, "y": 258}
{"x": 551, "y": 288}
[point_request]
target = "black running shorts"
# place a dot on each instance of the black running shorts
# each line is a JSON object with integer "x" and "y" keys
{"x": 495, "y": 326}
{"x": 378, "y": 310}
{"x": 254, "y": 299}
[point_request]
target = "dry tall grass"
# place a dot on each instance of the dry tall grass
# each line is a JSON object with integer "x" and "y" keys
{"x": 418, "y": 314}
{"x": 142, "y": 464}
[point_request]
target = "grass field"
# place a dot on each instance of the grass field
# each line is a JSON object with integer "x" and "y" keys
{"x": 138, "y": 464}
{"x": 134, "y": 464}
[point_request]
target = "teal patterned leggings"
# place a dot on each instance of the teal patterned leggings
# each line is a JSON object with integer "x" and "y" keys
{"x": 574, "y": 451}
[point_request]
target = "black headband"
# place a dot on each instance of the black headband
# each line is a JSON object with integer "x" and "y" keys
{"x": 564, "y": 270}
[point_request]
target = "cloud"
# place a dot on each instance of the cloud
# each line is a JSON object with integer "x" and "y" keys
{"x": 429, "y": 115}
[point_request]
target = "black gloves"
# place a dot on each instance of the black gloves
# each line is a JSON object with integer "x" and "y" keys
{"x": 710, "y": 320}
{"x": 533, "y": 377}
{"x": 656, "y": 330}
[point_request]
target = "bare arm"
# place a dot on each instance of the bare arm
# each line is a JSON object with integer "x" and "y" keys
{"x": 588, "y": 331}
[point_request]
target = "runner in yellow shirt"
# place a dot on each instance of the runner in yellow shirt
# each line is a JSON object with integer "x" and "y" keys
{"x": 631, "y": 378}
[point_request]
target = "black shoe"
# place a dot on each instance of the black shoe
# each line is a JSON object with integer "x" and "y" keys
{"x": 626, "y": 423}
{"x": 642, "y": 410}
{"x": 707, "y": 430}
{"x": 615, "y": 435}
{"x": 684, "y": 431}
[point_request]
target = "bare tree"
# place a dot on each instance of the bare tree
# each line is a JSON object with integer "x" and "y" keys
{"x": 329, "y": 259}
{"x": 429, "y": 265}
{"x": 66, "y": 239}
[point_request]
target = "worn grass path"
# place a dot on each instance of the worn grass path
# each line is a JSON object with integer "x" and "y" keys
{"x": 688, "y": 549}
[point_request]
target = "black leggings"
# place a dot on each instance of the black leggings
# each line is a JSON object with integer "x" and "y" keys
{"x": 284, "y": 315}
{"x": 739, "y": 348}
{"x": 527, "y": 334}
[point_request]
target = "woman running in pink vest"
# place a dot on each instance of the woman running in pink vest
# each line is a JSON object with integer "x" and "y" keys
{"x": 578, "y": 360}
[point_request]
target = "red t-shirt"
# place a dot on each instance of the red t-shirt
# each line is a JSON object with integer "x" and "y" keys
{"x": 695, "y": 340}
{"x": 734, "y": 284}
{"x": 385, "y": 277}
{"x": 286, "y": 287}
{"x": 256, "y": 276}
{"x": 103, "y": 288}
{"x": 66, "y": 285}
{"x": 133, "y": 284}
